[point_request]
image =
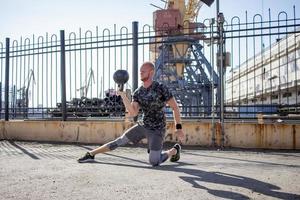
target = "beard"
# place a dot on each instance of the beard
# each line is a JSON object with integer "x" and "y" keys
{"x": 145, "y": 78}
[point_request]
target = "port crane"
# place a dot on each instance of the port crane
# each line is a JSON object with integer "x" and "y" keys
{"x": 179, "y": 60}
{"x": 84, "y": 89}
{"x": 23, "y": 102}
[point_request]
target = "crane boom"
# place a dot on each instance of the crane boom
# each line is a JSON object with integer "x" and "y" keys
{"x": 189, "y": 10}
{"x": 84, "y": 89}
{"x": 90, "y": 80}
{"x": 30, "y": 76}
{"x": 192, "y": 10}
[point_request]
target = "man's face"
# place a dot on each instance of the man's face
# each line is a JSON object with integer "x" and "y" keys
{"x": 146, "y": 73}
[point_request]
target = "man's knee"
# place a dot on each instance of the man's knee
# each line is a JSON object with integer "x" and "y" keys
{"x": 120, "y": 141}
{"x": 154, "y": 158}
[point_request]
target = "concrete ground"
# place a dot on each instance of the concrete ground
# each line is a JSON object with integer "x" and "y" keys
{"x": 50, "y": 171}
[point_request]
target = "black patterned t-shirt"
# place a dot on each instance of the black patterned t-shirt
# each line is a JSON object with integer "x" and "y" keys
{"x": 152, "y": 101}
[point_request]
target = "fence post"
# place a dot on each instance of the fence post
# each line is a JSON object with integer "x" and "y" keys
{"x": 7, "y": 80}
{"x": 63, "y": 75}
{"x": 221, "y": 41}
{"x": 135, "y": 59}
{"x": 213, "y": 107}
{"x": 1, "y": 100}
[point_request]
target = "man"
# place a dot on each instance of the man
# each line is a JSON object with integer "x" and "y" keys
{"x": 151, "y": 98}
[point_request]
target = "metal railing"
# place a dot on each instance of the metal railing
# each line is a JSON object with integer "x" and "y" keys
{"x": 265, "y": 71}
{"x": 69, "y": 76}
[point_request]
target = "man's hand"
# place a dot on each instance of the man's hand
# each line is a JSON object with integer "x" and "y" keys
{"x": 131, "y": 107}
{"x": 121, "y": 93}
{"x": 180, "y": 134}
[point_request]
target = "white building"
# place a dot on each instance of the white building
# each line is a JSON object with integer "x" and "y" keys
{"x": 270, "y": 77}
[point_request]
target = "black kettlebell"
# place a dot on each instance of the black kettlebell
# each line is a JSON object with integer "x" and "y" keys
{"x": 121, "y": 77}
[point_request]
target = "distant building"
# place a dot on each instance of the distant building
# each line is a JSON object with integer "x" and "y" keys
{"x": 270, "y": 77}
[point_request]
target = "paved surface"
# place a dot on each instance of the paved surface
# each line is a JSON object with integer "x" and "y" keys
{"x": 50, "y": 171}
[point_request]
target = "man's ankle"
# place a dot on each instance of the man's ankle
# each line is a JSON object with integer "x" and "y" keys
{"x": 173, "y": 151}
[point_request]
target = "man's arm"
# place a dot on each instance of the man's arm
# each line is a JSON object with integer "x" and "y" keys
{"x": 176, "y": 113}
{"x": 177, "y": 119}
{"x": 131, "y": 107}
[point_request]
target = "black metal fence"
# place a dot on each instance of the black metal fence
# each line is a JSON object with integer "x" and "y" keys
{"x": 264, "y": 76}
{"x": 69, "y": 76}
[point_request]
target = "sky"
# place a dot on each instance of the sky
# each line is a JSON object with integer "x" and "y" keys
{"x": 27, "y": 17}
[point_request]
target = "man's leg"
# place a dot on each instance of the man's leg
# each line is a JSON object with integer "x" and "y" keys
{"x": 89, "y": 156}
{"x": 156, "y": 155}
{"x": 120, "y": 141}
{"x": 133, "y": 134}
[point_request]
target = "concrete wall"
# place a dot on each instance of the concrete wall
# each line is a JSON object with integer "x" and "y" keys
{"x": 270, "y": 136}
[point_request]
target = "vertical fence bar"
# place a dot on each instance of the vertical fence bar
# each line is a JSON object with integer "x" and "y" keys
{"x": 7, "y": 79}
{"x": 220, "y": 23}
{"x": 47, "y": 76}
{"x": 63, "y": 75}
{"x": 295, "y": 61}
{"x": 1, "y": 98}
{"x": 13, "y": 65}
{"x": 33, "y": 88}
{"x": 97, "y": 65}
{"x": 134, "y": 55}
{"x": 213, "y": 122}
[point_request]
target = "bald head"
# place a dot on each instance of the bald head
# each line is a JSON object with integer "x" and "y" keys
{"x": 148, "y": 65}
{"x": 147, "y": 71}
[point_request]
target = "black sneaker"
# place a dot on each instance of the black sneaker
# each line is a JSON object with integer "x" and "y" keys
{"x": 86, "y": 158}
{"x": 176, "y": 157}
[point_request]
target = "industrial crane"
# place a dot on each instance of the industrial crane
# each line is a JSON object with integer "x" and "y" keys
{"x": 84, "y": 89}
{"x": 179, "y": 60}
{"x": 23, "y": 102}
{"x": 192, "y": 9}
{"x": 189, "y": 11}
{"x": 178, "y": 18}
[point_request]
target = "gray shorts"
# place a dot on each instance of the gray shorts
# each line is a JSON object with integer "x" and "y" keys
{"x": 155, "y": 137}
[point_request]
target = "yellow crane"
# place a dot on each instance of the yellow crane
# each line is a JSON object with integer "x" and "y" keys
{"x": 192, "y": 10}
{"x": 188, "y": 10}
{"x": 178, "y": 17}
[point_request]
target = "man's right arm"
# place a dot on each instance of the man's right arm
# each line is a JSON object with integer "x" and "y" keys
{"x": 131, "y": 107}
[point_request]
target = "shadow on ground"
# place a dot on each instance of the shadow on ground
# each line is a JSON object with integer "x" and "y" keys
{"x": 196, "y": 176}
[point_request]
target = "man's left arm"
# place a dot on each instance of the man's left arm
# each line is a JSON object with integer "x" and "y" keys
{"x": 177, "y": 118}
